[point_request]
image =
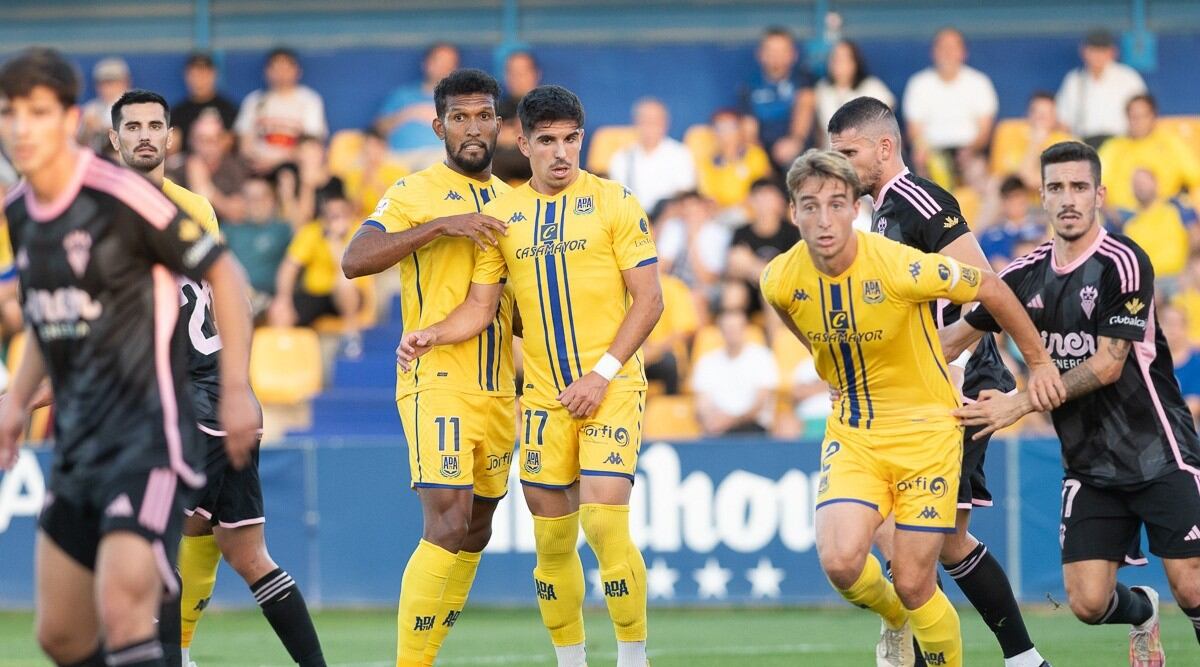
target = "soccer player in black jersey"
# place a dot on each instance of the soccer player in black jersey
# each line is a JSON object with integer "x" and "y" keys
{"x": 226, "y": 518}
{"x": 97, "y": 249}
{"x": 916, "y": 212}
{"x": 1129, "y": 447}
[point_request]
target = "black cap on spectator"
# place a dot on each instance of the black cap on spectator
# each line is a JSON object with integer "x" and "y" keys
{"x": 1100, "y": 38}
{"x": 1010, "y": 185}
{"x": 200, "y": 59}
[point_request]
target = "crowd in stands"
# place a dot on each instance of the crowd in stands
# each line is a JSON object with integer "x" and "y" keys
{"x": 289, "y": 195}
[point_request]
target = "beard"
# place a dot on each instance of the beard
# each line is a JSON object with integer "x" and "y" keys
{"x": 472, "y": 165}
{"x": 144, "y": 164}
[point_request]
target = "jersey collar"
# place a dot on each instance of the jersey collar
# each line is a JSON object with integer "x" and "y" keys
{"x": 887, "y": 186}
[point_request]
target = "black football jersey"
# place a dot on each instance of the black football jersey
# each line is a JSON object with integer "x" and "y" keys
{"x": 1139, "y": 427}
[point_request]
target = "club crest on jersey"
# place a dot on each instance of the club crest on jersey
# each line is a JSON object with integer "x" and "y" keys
{"x": 1087, "y": 299}
{"x": 584, "y": 205}
{"x": 533, "y": 461}
{"x": 881, "y": 225}
{"x": 78, "y": 245}
{"x": 450, "y": 466}
{"x": 872, "y": 292}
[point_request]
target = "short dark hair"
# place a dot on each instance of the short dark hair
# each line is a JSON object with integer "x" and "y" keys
{"x": 1071, "y": 151}
{"x": 859, "y": 113}
{"x": 199, "y": 59}
{"x": 546, "y": 104}
{"x": 138, "y": 96}
{"x": 464, "y": 82}
{"x": 1041, "y": 95}
{"x": 768, "y": 182}
{"x": 1144, "y": 97}
{"x": 436, "y": 46}
{"x": 283, "y": 52}
{"x": 860, "y": 64}
{"x": 1011, "y": 183}
{"x": 40, "y": 66}
{"x": 777, "y": 31}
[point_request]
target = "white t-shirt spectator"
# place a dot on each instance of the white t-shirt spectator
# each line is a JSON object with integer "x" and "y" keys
{"x": 817, "y": 406}
{"x": 277, "y": 120}
{"x": 664, "y": 172}
{"x": 830, "y": 98}
{"x": 949, "y": 112}
{"x": 1096, "y": 107}
{"x": 712, "y": 247}
{"x": 732, "y": 383}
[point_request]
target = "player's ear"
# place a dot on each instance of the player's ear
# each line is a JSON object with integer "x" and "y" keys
{"x": 439, "y": 128}
{"x": 1101, "y": 194}
{"x": 114, "y": 140}
{"x": 523, "y": 144}
{"x": 170, "y": 138}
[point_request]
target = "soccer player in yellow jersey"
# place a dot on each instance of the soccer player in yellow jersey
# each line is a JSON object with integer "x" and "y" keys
{"x": 226, "y": 518}
{"x": 859, "y": 302}
{"x": 457, "y": 405}
{"x": 579, "y": 257}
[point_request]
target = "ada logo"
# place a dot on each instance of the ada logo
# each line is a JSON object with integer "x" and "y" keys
{"x": 549, "y": 233}
{"x": 914, "y": 270}
{"x": 970, "y": 276}
{"x": 1087, "y": 299}
{"x": 872, "y": 292}
{"x": 450, "y": 466}
{"x": 533, "y": 461}
{"x": 585, "y": 205}
{"x": 516, "y": 217}
{"x": 1134, "y": 306}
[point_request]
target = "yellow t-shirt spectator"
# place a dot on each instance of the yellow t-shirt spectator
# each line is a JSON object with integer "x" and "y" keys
{"x": 311, "y": 250}
{"x": 1161, "y": 231}
{"x": 1189, "y": 302}
{"x": 365, "y": 193}
{"x": 1008, "y": 156}
{"x": 1160, "y": 152}
{"x": 728, "y": 183}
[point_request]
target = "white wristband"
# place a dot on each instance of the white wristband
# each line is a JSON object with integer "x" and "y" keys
{"x": 607, "y": 367}
{"x": 962, "y": 359}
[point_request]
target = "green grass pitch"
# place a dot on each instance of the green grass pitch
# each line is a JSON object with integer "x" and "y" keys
{"x": 756, "y": 637}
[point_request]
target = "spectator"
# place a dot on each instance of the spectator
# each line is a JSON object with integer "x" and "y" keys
{"x": 111, "y": 79}
{"x": 656, "y": 166}
{"x": 726, "y": 176}
{"x": 407, "y": 116}
{"x": 780, "y": 97}
{"x": 1188, "y": 298}
{"x": 1148, "y": 147}
{"x": 810, "y": 395}
{"x": 1017, "y": 222}
{"x": 735, "y": 383}
{"x": 372, "y": 174}
{"x": 1184, "y": 355}
{"x": 768, "y": 234}
{"x": 259, "y": 238}
{"x": 271, "y": 121}
{"x": 313, "y": 183}
{"x": 213, "y": 170}
{"x": 664, "y": 351}
{"x": 1022, "y": 155}
{"x": 1091, "y": 98}
{"x": 846, "y": 77}
{"x": 693, "y": 245}
{"x": 310, "y": 283}
{"x": 521, "y": 75}
{"x": 200, "y": 77}
{"x": 949, "y": 107}
{"x": 1161, "y": 228}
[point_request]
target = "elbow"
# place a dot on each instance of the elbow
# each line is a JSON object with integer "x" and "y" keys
{"x": 351, "y": 265}
{"x": 1109, "y": 373}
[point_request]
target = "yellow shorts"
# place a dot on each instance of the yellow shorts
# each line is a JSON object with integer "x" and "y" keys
{"x": 458, "y": 440}
{"x": 557, "y": 448}
{"x": 913, "y": 475}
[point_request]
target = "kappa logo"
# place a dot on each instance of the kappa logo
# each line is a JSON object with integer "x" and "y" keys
{"x": 872, "y": 292}
{"x": 453, "y": 196}
{"x": 950, "y": 220}
{"x": 584, "y": 205}
{"x": 929, "y": 513}
{"x": 800, "y": 295}
{"x": 202, "y": 604}
{"x": 516, "y": 217}
{"x": 1134, "y": 306}
{"x": 614, "y": 459}
{"x": 400, "y": 183}
{"x": 625, "y": 193}
{"x": 533, "y": 461}
{"x": 78, "y": 245}
{"x": 450, "y": 467}
{"x": 1087, "y": 299}
{"x": 914, "y": 270}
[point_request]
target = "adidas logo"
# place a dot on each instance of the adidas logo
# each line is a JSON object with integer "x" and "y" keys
{"x": 1035, "y": 302}
{"x": 120, "y": 506}
{"x": 453, "y": 196}
{"x": 1193, "y": 534}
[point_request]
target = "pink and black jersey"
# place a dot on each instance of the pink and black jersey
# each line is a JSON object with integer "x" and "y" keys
{"x": 1138, "y": 428}
{"x": 98, "y": 274}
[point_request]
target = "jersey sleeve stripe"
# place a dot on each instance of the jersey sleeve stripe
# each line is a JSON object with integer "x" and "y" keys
{"x": 903, "y": 189}
{"x": 1145, "y": 351}
{"x": 132, "y": 190}
{"x": 1122, "y": 268}
{"x": 920, "y": 193}
{"x": 646, "y": 262}
{"x": 1025, "y": 260}
{"x": 1121, "y": 250}
{"x": 374, "y": 224}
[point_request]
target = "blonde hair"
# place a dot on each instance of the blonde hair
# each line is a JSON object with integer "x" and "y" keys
{"x": 821, "y": 165}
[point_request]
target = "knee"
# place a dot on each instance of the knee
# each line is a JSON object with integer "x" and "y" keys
{"x": 449, "y": 530}
{"x": 251, "y": 562}
{"x": 478, "y": 537}
{"x": 957, "y": 547}
{"x": 62, "y": 644}
{"x": 1088, "y": 605}
{"x": 127, "y": 613}
{"x": 1186, "y": 590}
{"x": 843, "y": 567}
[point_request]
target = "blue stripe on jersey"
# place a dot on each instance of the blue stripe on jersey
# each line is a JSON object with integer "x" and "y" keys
{"x": 479, "y": 360}
{"x": 835, "y": 302}
{"x": 537, "y": 267}
{"x": 562, "y": 227}
{"x": 494, "y": 370}
{"x": 646, "y": 262}
{"x": 485, "y": 194}
{"x": 861, "y": 358}
{"x": 556, "y": 309}
{"x": 491, "y": 356}
{"x": 420, "y": 308}
{"x": 375, "y": 224}
{"x": 417, "y": 431}
{"x": 475, "y": 194}
{"x": 837, "y": 366}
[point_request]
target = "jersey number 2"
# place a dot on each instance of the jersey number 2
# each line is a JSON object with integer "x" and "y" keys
{"x": 204, "y": 344}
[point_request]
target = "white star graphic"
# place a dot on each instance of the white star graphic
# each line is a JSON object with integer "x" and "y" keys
{"x": 765, "y": 579}
{"x": 660, "y": 580}
{"x": 597, "y": 585}
{"x": 713, "y": 580}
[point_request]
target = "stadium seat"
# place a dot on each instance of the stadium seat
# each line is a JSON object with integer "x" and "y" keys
{"x": 344, "y": 149}
{"x": 701, "y": 140}
{"x": 1186, "y": 128}
{"x": 606, "y": 141}
{"x": 285, "y": 364}
{"x": 671, "y": 418}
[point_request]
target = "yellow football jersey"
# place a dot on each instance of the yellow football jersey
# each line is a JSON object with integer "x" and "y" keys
{"x": 8, "y": 269}
{"x": 871, "y": 328}
{"x": 193, "y": 206}
{"x": 434, "y": 280}
{"x": 563, "y": 256}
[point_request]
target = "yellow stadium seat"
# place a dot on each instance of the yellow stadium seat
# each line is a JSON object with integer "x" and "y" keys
{"x": 606, "y": 141}
{"x": 671, "y": 418}
{"x": 701, "y": 140}
{"x": 344, "y": 149}
{"x": 285, "y": 364}
{"x": 1186, "y": 128}
{"x": 708, "y": 338}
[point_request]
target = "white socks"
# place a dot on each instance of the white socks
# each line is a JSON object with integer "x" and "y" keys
{"x": 571, "y": 656}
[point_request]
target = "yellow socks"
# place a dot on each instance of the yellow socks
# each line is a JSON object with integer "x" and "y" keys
{"x": 622, "y": 570}
{"x": 420, "y": 599}
{"x": 454, "y": 598}
{"x": 935, "y": 625}
{"x": 558, "y": 578}
{"x": 198, "y": 561}
{"x": 873, "y": 591}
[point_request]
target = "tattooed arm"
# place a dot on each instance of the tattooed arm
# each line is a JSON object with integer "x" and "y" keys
{"x": 995, "y": 411}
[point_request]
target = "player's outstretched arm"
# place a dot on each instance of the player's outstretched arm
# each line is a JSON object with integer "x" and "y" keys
{"x": 239, "y": 413}
{"x": 373, "y": 250}
{"x": 14, "y": 410}
{"x": 466, "y": 321}
{"x": 958, "y": 338}
{"x": 584, "y": 395}
{"x": 1045, "y": 385}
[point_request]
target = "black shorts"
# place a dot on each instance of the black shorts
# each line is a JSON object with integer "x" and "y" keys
{"x": 144, "y": 502}
{"x": 1104, "y": 523}
{"x": 310, "y": 306}
{"x": 231, "y": 498}
{"x": 972, "y": 484}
